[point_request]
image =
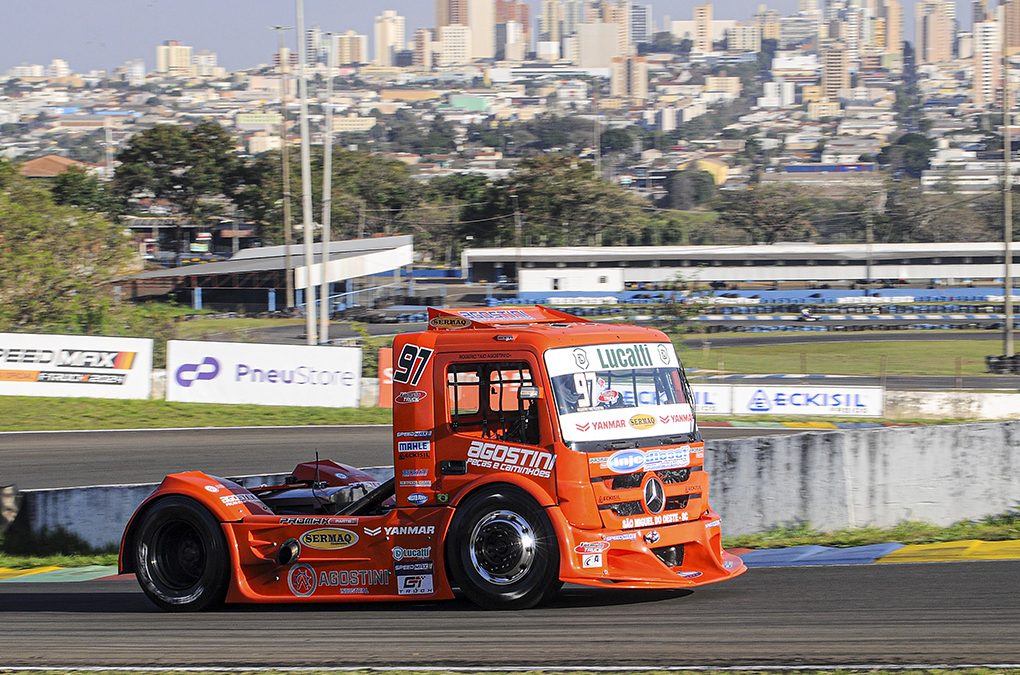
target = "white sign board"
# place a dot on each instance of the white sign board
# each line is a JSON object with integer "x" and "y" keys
{"x": 808, "y": 400}
{"x": 231, "y": 372}
{"x": 75, "y": 366}
{"x": 713, "y": 399}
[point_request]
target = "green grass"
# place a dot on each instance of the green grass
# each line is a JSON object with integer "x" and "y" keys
{"x": 847, "y": 358}
{"x": 992, "y": 528}
{"x": 29, "y": 413}
{"x": 227, "y": 330}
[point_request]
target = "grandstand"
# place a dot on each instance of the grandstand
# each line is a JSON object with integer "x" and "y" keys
{"x": 614, "y": 269}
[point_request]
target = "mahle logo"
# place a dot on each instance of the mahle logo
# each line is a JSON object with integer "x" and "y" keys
{"x": 190, "y": 373}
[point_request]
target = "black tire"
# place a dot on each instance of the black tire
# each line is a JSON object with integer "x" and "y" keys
{"x": 502, "y": 550}
{"x": 181, "y": 558}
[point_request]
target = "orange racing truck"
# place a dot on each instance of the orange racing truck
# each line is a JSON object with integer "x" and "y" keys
{"x": 531, "y": 448}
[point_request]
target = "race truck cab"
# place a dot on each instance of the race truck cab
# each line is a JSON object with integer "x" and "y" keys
{"x": 530, "y": 448}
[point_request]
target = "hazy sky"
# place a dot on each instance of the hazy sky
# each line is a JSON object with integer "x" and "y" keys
{"x": 92, "y": 34}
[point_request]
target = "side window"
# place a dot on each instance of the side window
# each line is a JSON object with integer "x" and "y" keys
{"x": 484, "y": 398}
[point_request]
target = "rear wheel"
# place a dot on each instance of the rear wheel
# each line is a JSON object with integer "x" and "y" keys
{"x": 503, "y": 552}
{"x": 181, "y": 558}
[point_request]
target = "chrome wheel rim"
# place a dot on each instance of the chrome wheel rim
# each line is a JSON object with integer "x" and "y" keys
{"x": 502, "y": 547}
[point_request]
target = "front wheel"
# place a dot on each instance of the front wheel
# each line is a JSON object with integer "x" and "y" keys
{"x": 181, "y": 558}
{"x": 502, "y": 550}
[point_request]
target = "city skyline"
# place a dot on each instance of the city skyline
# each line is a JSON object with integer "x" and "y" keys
{"x": 127, "y": 30}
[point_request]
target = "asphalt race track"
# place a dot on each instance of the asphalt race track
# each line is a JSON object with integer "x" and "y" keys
{"x": 955, "y": 613}
{"x": 67, "y": 459}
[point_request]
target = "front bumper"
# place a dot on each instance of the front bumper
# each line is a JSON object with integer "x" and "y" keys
{"x": 680, "y": 555}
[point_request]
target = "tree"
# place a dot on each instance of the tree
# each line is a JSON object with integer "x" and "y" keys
{"x": 183, "y": 166}
{"x": 616, "y": 140}
{"x": 689, "y": 188}
{"x": 908, "y": 154}
{"x": 56, "y": 261}
{"x": 78, "y": 187}
{"x": 768, "y": 213}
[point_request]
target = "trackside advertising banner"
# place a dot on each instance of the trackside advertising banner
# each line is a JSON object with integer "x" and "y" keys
{"x": 75, "y": 366}
{"x": 808, "y": 400}
{"x": 230, "y": 372}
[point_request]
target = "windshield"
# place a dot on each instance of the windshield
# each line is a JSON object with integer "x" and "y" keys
{"x": 619, "y": 391}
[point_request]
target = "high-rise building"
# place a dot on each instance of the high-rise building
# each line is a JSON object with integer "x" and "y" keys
{"x": 1012, "y": 21}
{"x": 703, "y": 28}
{"x": 571, "y": 15}
{"x": 933, "y": 31}
{"x": 134, "y": 72}
{"x": 979, "y": 10}
{"x": 454, "y": 45}
{"x": 619, "y": 13}
{"x": 315, "y": 44}
{"x": 422, "y": 49}
{"x": 58, "y": 68}
{"x": 515, "y": 10}
{"x": 510, "y": 41}
{"x": 351, "y": 48}
{"x": 744, "y": 37}
{"x": 451, "y": 11}
{"x": 892, "y": 12}
{"x": 174, "y": 59}
{"x": 482, "y": 22}
{"x": 550, "y": 21}
{"x": 987, "y": 60}
{"x": 629, "y": 77}
{"x": 206, "y": 63}
{"x": 598, "y": 44}
{"x": 642, "y": 24}
{"x": 389, "y": 37}
{"x": 835, "y": 70}
{"x": 768, "y": 22}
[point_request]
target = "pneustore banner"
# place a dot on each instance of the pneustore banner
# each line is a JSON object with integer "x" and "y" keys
{"x": 231, "y": 372}
{"x": 75, "y": 366}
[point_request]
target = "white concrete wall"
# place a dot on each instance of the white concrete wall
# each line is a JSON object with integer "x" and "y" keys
{"x": 833, "y": 480}
{"x": 572, "y": 279}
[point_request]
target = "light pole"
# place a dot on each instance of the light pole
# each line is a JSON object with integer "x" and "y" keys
{"x": 288, "y": 237}
{"x": 327, "y": 192}
{"x": 306, "y": 180}
{"x": 1007, "y": 195}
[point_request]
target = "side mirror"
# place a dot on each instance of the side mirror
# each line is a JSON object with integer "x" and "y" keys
{"x": 528, "y": 393}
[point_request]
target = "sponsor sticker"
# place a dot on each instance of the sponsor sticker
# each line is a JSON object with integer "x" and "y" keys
{"x": 401, "y": 553}
{"x": 414, "y": 584}
{"x": 417, "y": 498}
{"x": 512, "y": 459}
{"x": 242, "y": 498}
{"x": 591, "y": 560}
{"x": 656, "y": 459}
{"x": 414, "y": 446}
{"x": 404, "y": 530}
{"x": 689, "y": 575}
{"x": 303, "y": 581}
{"x": 415, "y": 483}
{"x": 592, "y": 547}
{"x": 449, "y": 322}
{"x": 212, "y": 488}
{"x": 497, "y": 315}
{"x": 626, "y": 536}
{"x": 414, "y": 434}
{"x": 414, "y": 396}
{"x": 329, "y": 538}
{"x": 318, "y": 520}
{"x": 642, "y": 422}
{"x": 414, "y": 473}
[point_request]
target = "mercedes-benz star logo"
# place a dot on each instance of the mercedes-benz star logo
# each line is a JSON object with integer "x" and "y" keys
{"x": 655, "y": 496}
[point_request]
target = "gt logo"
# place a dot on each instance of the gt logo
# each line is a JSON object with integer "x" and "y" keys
{"x": 189, "y": 373}
{"x": 414, "y": 584}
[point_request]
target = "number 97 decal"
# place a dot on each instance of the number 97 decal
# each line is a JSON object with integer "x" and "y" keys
{"x": 411, "y": 364}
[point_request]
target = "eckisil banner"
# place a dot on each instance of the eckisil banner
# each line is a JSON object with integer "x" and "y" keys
{"x": 75, "y": 366}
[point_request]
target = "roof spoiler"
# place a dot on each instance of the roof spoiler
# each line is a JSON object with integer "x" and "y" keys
{"x": 452, "y": 319}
